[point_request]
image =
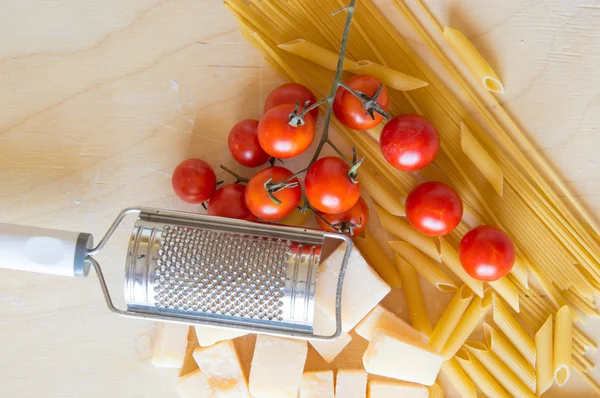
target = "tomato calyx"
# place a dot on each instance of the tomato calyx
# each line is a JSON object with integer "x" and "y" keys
{"x": 297, "y": 116}
{"x": 369, "y": 103}
{"x": 346, "y": 227}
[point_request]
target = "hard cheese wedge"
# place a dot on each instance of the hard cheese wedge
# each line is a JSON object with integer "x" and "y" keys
{"x": 276, "y": 368}
{"x": 350, "y": 383}
{"x": 317, "y": 384}
{"x": 397, "y": 356}
{"x": 323, "y": 325}
{"x": 208, "y": 335}
{"x": 170, "y": 342}
{"x": 391, "y": 389}
{"x": 363, "y": 289}
{"x": 221, "y": 366}
{"x": 382, "y": 318}
{"x": 194, "y": 385}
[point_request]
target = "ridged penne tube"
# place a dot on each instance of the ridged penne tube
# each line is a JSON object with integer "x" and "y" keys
{"x": 482, "y": 378}
{"x": 451, "y": 260}
{"x": 544, "y": 357}
{"x": 563, "y": 345}
{"x": 519, "y": 271}
{"x": 473, "y": 60}
{"x": 389, "y": 77}
{"x": 482, "y": 159}
{"x": 467, "y": 324}
{"x": 414, "y": 297}
{"x": 513, "y": 330}
{"x": 375, "y": 256}
{"x": 435, "y": 391}
{"x": 509, "y": 355}
{"x": 499, "y": 370}
{"x": 400, "y": 228}
{"x": 312, "y": 52}
{"x": 460, "y": 380}
{"x": 450, "y": 318}
{"x": 424, "y": 266}
{"x": 377, "y": 190}
{"x": 508, "y": 291}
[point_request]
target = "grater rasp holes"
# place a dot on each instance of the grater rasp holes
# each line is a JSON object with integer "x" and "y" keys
{"x": 221, "y": 273}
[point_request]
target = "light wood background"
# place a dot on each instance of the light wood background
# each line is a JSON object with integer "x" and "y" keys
{"x": 99, "y": 100}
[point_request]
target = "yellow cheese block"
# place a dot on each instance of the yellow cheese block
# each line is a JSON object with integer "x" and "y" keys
{"x": 194, "y": 385}
{"x": 391, "y": 389}
{"x": 394, "y": 355}
{"x": 276, "y": 368}
{"x": 170, "y": 343}
{"x": 221, "y": 366}
{"x": 208, "y": 335}
{"x": 323, "y": 325}
{"x": 350, "y": 383}
{"x": 318, "y": 384}
{"x": 382, "y": 318}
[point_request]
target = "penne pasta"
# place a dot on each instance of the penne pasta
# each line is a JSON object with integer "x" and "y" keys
{"x": 544, "y": 357}
{"x": 467, "y": 324}
{"x": 381, "y": 194}
{"x": 435, "y": 391}
{"x": 508, "y": 291}
{"x": 396, "y": 226}
{"x": 451, "y": 260}
{"x": 414, "y": 297}
{"x": 473, "y": 60}
{"x": 312, "y": 52}
{"x": 519, "y": 271}
{"x": 499, "y": 370}
{"x": 450, "y": 318}
{"x": 373, "y": 253}
{"x": 389, "y": 77}
{"x": 482, "y": 378}
{"x": 563, "y": 343}
{"x": 482, "y": 159}
{"x": 460, "y": 381}
{"x": 515, "y": 332}
{"x": 509, "y": 355}
{"x": 424, "y": 266}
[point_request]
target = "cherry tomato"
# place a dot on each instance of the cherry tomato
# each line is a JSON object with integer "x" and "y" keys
{"x": 290, "y": 93}
{"x": 434, "y": 208}
{"x": 409, "y": 142}
{"x": 228, "y": 201}
{"x": 487, "y": 253}
{"x": 280, "y": 139}
{"x": 194, "y": 181}
{"x": 244, "y": 146}
{"x": 358, "y": 216}
{"x": 328, "y": 187}
{"x": 258, "y": 200}
{"x": 350, "y": 111}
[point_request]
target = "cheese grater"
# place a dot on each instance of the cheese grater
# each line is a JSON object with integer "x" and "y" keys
{"x": 196, "y": 269}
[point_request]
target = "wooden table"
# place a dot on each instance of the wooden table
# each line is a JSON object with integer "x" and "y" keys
{"x": 99, "y": 100}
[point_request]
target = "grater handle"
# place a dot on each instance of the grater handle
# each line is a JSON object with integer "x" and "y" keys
{"x": 47, "y": 251}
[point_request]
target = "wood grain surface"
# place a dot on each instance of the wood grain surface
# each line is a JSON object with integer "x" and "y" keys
{"x": 99, "y": 101}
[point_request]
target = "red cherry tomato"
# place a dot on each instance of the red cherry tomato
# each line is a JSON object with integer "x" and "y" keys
{"x": 434, "y": 208}
{"x": 280, "y": 139}
{"x": 228, "y": 201}
{"x": 194, "y": 181}
{"x": 290, "y": 93}
{"x": 328, "y": 187}
{"x": 244, "y": 146}
{"x": 487, "y": 253}
{"x": 409, "y": 142}
{"x": 358, "y": 216}
{"x": 350, "y": 111}
{"x": 258, "y": 200}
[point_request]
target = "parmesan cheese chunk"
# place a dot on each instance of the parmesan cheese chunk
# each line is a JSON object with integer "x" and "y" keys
{"x": 170, "y": 343}
{"x": 391, "y": 389}
{"x": 350, "y": 383}
{"x": 394, "y": 355}
{"x": 363, "y": 288}
{"x": 208, "y": 335}
{"x": 323, "y": 325}
{"x": 277, "y": 365}
{"x": 221, "y": 366}
{"x": 382, "y": 318}
{"x": 194, "y": 385}
{"x": 317, "y": 384}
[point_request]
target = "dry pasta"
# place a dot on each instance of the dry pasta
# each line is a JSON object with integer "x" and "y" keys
{"x": 435, "y": 391}
{"x": 451, "y": 260}
{"x": 482, "y": 159}
{"x": 563, "y": 344}
{"x": 482, "y": 378}
{"x": 461, "y": 382}
{"x": 389, "y": 77}
{"x": 544, "y": 357}
{"x": 515, "y": 332}
{"x": 372, "y": 251}
{"x": 414, "y": 297}
{"x": 508, "y": 291}
{"x": 450, "y": 318}
{"x": 381, "y": 194}
{"x": 312, "y": 52}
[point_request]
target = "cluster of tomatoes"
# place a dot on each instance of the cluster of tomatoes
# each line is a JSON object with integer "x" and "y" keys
{"x": 287, "y": 129}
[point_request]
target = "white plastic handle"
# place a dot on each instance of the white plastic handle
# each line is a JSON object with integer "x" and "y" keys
{"x": 47, "y": 251}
